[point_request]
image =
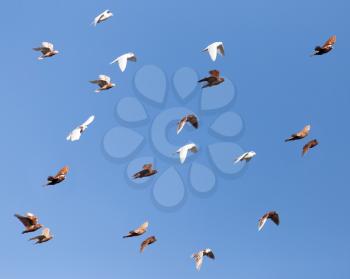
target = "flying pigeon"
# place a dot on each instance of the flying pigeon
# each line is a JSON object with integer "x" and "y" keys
{"x": 309, "y": 145}
{"x": 104, "y": 82}
{"x": 273, "y": 215}
{"x": 137, "y": 232}
{"x": 300, "y": 135}
{"x": 198, "y": 257}
{"x": 147, "y": 171}
{"x": 76, "y": 133}
{"x": 247, "y": 156}
{"x": 191, "y": 118}
{"x": 213, "y": 79}
{"x": 214, "y": 48}
{"x": 123, "y": 60}
{"x": 46, "y": 49}
{"x": 44, "y": 237}
{"x": 59, "y": 177}
{"x": 102, "y": 17}
{"x": 184, "y": 149}
{"x": 30, "y": 222}
{"x": 327, "y": 47}
{"x": 147, "y": 242}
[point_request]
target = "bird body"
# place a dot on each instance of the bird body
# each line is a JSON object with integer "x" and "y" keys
{"x": 184, "y": 150}
{"x": 47, "y": 50}
{"x": 191, "y": 118}
{"x": 146, "y": 242}
{"x": 123, "y": 60}
{"x": 198, "y": 257}
{"x": 327, "y": 47}
{"x": 30, "y": 222}
{"x": 76, "y": 133}
{"x": 309, "y": 145}
{"x": 213, "y": 80}
{"x": 137, "y": 232}
{"x": 44, "y": 237}
{"x": 300, "y": 135}
{"x": 104, "y": 82}
{"x": 272, "y": 215}
{"x": 102, "y": 17}
{"x": 145, "y": 172}
{"x": 247, "y": 156}
{"x": 215, "y": 48}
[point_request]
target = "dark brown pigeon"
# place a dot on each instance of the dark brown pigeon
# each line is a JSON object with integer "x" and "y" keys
{"x": 301, "y": 134}
{"x": 191, "y": 118}
{"x": 198, "y": 257}
{"x": 59, "y": 177}
{"x": 147, "y": 242}
{"x": 327, "y": 47}
{"x": 137, "y": 232}
{"x": 30, "y": 222}
{"x": 147, "y": 171}
{"x": 213, "y": 79}
{"x": 44, "y": 237}
{"x": 273, "y": 215}
{"x": 309, "y": 145}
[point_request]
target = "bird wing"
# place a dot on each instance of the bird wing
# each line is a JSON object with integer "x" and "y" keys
{"x": 198, "y": 257}
{"x": 213, "y": 51}
{"x": 96, "y": 20}
{"x": 46, "y": 233}
{"x": 63, "y": 171}
{"x": 275, "y": 218}
{"x": 47, "y": 45}
{"x": 88, "y": 121}
{"x": 147, "y": 166}
{"x": 183, "y": 153}
{"x": 24, "y": 220}
{"x": 262, "y": 222}
{"x": 330, "y": 42}
{"x": 132, "y": 57}
{"x": 214, "y": 73}
{"x": 221, "y": 49}
{"x": 74, "y": 135}
{"x": 210, "y": 254}
{"x": 104, "y": 78}
{"x": 306, "y": 147}
{"x": 147, "y": 242}
{"x": 240, "y": 158}
{"x": 181, "y": 125}
{"x": 122, "y": 62}
{"x": 193, "y": 120}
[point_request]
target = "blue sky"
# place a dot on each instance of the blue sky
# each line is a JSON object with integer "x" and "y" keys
{"x": 279, "y": 90}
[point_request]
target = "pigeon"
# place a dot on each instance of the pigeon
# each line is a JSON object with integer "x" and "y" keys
{"x": 327, "y": 47}
{"x": 30, "y": 222}
{"x": 123, "y": 60}
{"x": 273, "y": 215}
{"x": 44, "y": 237}
{"x": 76, "y": 133}
{"x": 147, "y": 242}
{"x": 46, "y": 49}
{"x": 59, "y": 177}
{"x": 191, "y": 118}
{"x": 104, "y": 82}
{"x": 309, "y": 145}
{"x": 102, "y": 17}
{"x": 247, "y": 156}
{"x": 300, "y": 135}
{"x": 213, "y": 79}
{"x": 137, "y": 232}
{"x": 214, "y": 48}
{"x": 147, "y": 171}
{"x": 198, "y": 257}
{"x": 184, "y": 149}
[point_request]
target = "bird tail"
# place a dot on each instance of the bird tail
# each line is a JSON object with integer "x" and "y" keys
{"x": 203, "y": 79}
{"x": 288, "y": 139}
{"x": 40, "y": 58}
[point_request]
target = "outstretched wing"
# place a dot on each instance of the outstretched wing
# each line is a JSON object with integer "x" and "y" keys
{"x": 198, "y": 257}
{"x": 214, "y": 73}
{"x": 213, "y": 51}
{"x": 275, "y": 218}
{"x": 88, "y": 121}
{"x": 63, "y": 171}
{"x": 262, "y": 222}
{"x": 46, "y": 233}
{"x": 147, "y": 166}
{"x": 183, "y": 154}
{"x": 221, "y": 49}
{"x": 330, "y": 42}
{"x": 181, "y": 125}
{"x": 240, "y": 158}
{"x": 193, "y": 120}
{"x": 24, "y": 220}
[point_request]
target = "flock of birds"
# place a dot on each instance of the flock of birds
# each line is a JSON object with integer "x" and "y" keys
{"x": 31, "y": 222}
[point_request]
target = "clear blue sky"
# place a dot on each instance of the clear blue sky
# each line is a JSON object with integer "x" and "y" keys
{"x": 279, "y": 90}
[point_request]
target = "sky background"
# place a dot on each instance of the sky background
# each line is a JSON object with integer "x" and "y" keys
{"x": 279, "y": 90}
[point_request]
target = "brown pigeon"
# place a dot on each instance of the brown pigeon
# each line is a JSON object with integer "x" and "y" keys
{"x": 44, "y": 237}
{"x": 213, "y": 79}
{"x": 273, "y": 215}
{"x": 46, "y": 49}
{"x": 310, "y": 144}
{"x": 59, "y": 177}
{"x": 30, "y": 222}
{"x": 300, "y": 135}
{"x": 139, "y": 231}
{"x": 191, "y": 118}
{"x": 198, "y": 257}
{"x": 104, "y": 82}
{"x": 147, "y": 171}
{"x": 147, "y": 242}
{"x": 327, "y": 47}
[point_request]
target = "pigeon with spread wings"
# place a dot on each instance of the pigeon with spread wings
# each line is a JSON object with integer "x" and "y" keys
{"x": 123, "y": 60}
{"x": 272, "y": 215}
{"x": 59, "y": 177}
{"x": 247, "y": 156}
{"x": 30, "y": 222}
{"x": 300, "y": 135}
{"x": 215, "y": 48}
{"x": 327, "y": 47}
{"x": 191, "y": 118}
{"x": 182, "y": 151}
{"x": 137, "y": 232}
{"x": 309, "y": 145}
{"x": 147, "y": 171}
{"x": 76, "y": 133}
{"x": 213, "y": 80}
{"x": 44, "y": 237}
{"x": 198, "y": 257}
{"x": 46, "y": 49}
{"x": 104, "y": 82}
{"x": 102, "y": 17}
{"x": 146, "y": 242}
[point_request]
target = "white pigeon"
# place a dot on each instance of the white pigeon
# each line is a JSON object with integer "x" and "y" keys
{"x": 198, "y": 257}
{"x": 102, "y": 17}
{"x": 214, "y": 48}
{"x": 123, "y": 60}
{"x": 247, "y": 156}
{"x": 76, "y": 133}
{"x": 184, "y": 150}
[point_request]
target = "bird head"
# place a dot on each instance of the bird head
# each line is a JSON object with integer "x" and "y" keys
{"x": 113, "y": 84}
{"x": 56, "y": 52}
